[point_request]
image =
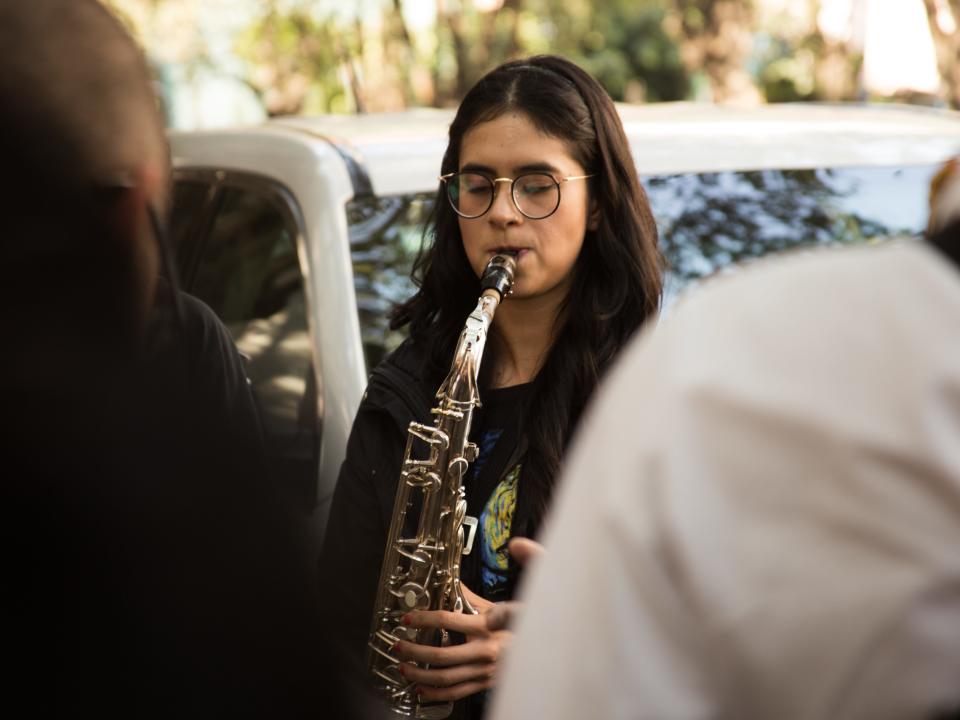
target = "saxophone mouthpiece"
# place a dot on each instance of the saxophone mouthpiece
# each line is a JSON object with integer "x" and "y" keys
{"x": 498, "y": 274}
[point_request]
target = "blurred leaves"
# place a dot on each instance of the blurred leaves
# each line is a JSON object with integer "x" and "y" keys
{"x": 715, "y": 38}
{"x": 631, "y": 54}
{"x": 293, "y": 55}
{"x": 375, "y": 55}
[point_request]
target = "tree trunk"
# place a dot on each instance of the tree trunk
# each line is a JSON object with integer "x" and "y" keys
{"x": 453, "y": 22}
{"x": 513, "y": 40}
{"x": 717, "y": 36}
{"x": 356, "y": 87}
{"x": 404, "y": 58}
{"x": 948, "y": 50}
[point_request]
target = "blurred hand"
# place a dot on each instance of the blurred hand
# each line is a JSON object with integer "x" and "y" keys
{"x": 502, "y": 615}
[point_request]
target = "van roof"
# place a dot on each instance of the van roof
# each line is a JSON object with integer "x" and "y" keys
{"x": 402, "y": 150}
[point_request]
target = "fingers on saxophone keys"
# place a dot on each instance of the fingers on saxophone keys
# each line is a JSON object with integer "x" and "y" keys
{"x": 473, "y": 652}
{"x": 457, "y": 622}
{"x": 455, "y": 692}
{"x": 448, "y": 677}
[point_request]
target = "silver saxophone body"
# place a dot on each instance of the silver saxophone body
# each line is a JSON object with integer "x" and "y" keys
{"x": 421, "y": 564}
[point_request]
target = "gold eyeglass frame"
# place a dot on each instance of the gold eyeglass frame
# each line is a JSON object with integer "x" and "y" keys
{"x": 513, "y": 187}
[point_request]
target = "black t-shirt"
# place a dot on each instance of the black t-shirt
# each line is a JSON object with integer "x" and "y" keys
{"x": 198, "y": 366}
{"x": 492, "y": 486}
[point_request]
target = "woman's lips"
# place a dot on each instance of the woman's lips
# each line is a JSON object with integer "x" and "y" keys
{"x": 517, "y": 253}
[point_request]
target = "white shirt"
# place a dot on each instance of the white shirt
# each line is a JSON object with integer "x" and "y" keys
{"x": 761, "y": 516}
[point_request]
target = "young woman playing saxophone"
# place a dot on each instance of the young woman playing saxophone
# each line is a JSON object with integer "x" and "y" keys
{"x": 538, "y": 167}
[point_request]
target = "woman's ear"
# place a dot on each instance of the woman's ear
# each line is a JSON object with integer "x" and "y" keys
{"x": 593, "y": 215}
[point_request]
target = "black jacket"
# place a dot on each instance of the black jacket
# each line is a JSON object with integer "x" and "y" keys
{"x": 151, "y": 568}
{"x": 363, "y": 499}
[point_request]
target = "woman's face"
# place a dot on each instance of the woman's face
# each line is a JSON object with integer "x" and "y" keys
{"x": 546, "y": 250}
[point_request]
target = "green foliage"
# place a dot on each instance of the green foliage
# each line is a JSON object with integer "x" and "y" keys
{"x": 627, "y": 44}
{"x": 294, "y": 59}
{"x": 621, "y": 42}
{"x": 298, "y": 59}
{"x": 794, "y": 70}
{"x": 784, "y": 75}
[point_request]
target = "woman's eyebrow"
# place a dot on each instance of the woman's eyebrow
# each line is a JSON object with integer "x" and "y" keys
{"x": 517, "y": 170}
{"x": 478, "y": 168}
{"x": 536, "y": 167}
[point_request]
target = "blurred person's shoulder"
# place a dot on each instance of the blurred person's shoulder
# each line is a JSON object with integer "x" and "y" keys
{"x": 187, "y": 332}
{"x": 803, "y": 274}
{"x": 835, "y": 287}
{"x": 202, "y": 327}
{"x": 816, "y": 334}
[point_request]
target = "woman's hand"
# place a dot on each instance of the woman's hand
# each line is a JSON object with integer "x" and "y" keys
{"x": 456, "y": 670}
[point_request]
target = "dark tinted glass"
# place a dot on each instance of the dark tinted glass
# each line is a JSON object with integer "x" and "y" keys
{"x": 249, "y": 259}
{"x": 708, "y": 222}
{"x": 385, "y": 235}
{"x": 250, "y": 275}
{"x": 186, "y": 213}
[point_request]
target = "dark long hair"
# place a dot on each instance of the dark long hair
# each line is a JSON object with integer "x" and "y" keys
{"x": 617, "y": 278}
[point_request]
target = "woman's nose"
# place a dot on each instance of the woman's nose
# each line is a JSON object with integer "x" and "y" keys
{"x": 504, "y": 210}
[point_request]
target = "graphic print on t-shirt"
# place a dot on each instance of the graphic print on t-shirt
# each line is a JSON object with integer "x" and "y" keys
{"x": 492, "y": 491}
{"x": 495, "y": 522}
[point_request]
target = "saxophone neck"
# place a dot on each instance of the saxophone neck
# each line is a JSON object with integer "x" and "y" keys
{"x": 460, "y": 386}
{"x": 487, "y": 305}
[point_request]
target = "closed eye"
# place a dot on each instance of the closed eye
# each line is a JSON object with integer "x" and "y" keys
{"x": 535, "y": 189}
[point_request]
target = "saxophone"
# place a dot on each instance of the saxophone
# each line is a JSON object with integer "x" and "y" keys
{"x": 421, "y": 565}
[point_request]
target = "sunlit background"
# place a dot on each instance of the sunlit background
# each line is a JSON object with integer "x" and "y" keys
{"x": 229, "y": 62}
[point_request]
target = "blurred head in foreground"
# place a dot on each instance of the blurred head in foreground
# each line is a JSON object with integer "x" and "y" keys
{"x": 150, "y": 569}
{"x": 86, "y": 159}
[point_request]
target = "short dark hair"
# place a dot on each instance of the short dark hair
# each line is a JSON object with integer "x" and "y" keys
{"x": 78, "y": 116}
{"x": 77, "y": 96}
{"x": 617, "y": 283}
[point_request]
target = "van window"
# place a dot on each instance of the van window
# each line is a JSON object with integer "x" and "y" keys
{"x": 248, "y": 272}
{"x": 385, "y": 236}
{"x": 710, "y": 222}
{"x": 187, "y": 206}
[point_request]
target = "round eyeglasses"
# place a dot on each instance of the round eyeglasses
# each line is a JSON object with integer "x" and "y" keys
{"x": 535, "y": 194}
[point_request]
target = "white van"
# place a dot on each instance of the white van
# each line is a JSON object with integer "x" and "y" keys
{"x": 301, "y": 232}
